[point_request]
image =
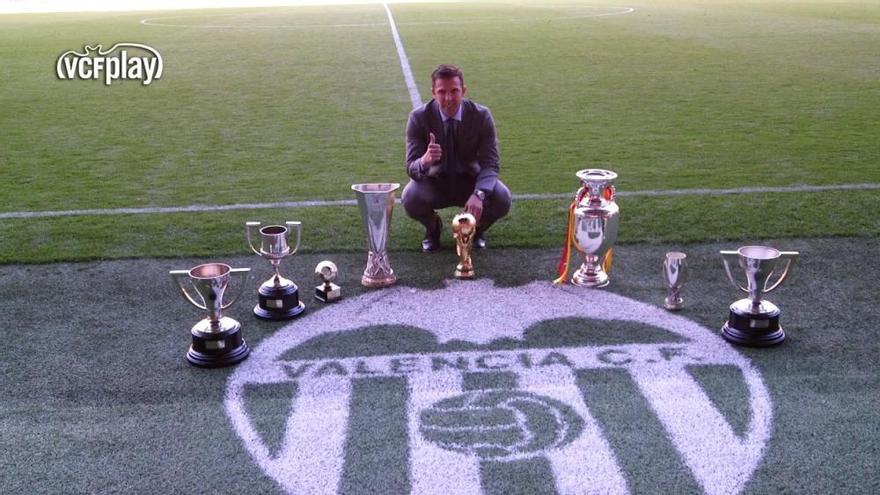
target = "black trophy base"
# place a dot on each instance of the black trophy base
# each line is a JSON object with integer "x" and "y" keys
{"x": 279, "y": 303}
{"x": 753, "y": 330}
{"x": 216, "y": 350}
{"x": 328, "y": 293}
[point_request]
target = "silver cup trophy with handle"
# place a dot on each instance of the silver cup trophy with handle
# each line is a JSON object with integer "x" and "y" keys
{"x": 216, "y": 339}
{"x": 754, "y": 321}
{"x": 376, "y": 202}
{"x": 596, "y": 218}
{"x": 674, "y": 275}
{"x": 278, "y": 296}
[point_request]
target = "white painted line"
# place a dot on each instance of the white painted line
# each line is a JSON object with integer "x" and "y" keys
{"x": 720, "y": 461}
{"x": 436, "y": 470}
{"x": 414, "y": 96}
{"x": 151, "y": 22}
{"x": 626, "y": 10}
{"x": 352, "y": 202}
{"x": 723, "y": 192}
{"x": 321, "y": 422}
{"x": 174, "y": 209}
{"x": 590, "y": 454}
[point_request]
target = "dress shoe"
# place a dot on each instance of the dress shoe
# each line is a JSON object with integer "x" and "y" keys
{"x": 431, "y": 242}
{"x": 480, "y": 240}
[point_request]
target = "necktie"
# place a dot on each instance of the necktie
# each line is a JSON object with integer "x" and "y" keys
{"x": 450, "y": 165}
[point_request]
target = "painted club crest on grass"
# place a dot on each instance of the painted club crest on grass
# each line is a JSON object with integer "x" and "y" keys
{"x": 452, "y": 390}
{"x": 500, "y": 424}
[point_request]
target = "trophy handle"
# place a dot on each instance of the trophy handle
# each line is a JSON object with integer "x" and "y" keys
{"x": 789, "y": 257}
{"x": 727, "y": 257}
{"x": 248, "y": 226}
{"x": 244, "y": 274}
{"x": 294, "y": 226}
{"x": 177, "y": 276}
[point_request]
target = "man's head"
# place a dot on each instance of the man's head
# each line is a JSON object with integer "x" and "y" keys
{"x": 447, "y": 88}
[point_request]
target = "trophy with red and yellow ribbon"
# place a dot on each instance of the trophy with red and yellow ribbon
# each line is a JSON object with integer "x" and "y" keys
{"x": 593, "y": 218}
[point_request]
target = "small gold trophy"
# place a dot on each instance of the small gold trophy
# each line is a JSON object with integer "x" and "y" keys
{"x": 327, "y": 292}
{"x": 464, "y": 226}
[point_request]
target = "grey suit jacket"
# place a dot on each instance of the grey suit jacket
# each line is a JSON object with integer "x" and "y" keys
{"x": 476, "y": 146}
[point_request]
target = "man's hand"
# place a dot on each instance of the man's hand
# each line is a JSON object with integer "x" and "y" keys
{"x": 433, "y": 154}
{"x": 474, "y": 206}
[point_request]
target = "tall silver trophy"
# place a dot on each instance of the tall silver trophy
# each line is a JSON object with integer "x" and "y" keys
{"x": 376, "y": 202}
{"x": 754, "y": 321}
{"x": 216, "y": 339}
{"x": 596, "y": 218}
{"x": 278, "y": 296}
{"x": 674, "y": 274}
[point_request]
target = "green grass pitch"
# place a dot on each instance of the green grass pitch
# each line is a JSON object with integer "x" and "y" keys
{"x": 297, "y": 103}
{"x": 286, "y": 104}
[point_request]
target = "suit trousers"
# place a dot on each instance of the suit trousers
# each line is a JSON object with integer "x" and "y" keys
{"x": 422, "y": 198}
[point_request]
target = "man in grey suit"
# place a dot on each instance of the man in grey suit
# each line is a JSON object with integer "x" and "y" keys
{"x": 452, "y": 160}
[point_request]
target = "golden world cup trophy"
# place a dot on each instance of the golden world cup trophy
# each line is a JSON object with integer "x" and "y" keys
{"x": 464, "y": 226}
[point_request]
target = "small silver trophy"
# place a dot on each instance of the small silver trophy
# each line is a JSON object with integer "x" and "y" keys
{"x": 328, "y": 291}
{"x": 376, "y": 202}
{"x": 217, "y": 339}
{"x": 754, "y": 321}
{"x": 278, "y": 296}
{"x": 674, "y": 274}
{"x": 595, "y": 226}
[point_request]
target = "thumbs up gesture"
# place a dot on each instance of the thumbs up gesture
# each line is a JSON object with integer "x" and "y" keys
{"x": 434, "y": 152}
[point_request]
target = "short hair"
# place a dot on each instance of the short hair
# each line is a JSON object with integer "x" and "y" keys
{"x": 447, "y": 71}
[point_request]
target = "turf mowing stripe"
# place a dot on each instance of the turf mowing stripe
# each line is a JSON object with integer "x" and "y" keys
{"x": 151, "y": 21}
{"x": 647, "y": 457}
{"x": 352, "y": 202}
{"x": 414, "y": 95}
{"x": 377, "y": 448}
{"x": 532, "y": 476}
